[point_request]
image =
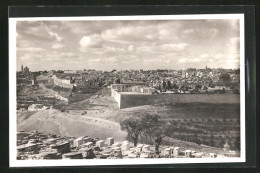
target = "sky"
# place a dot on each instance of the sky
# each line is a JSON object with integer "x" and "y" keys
{"x": 135, "y": 44}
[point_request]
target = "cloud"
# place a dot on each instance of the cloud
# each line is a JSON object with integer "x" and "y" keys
{"x": 111, "y": 59}
{"x": 92, "y": 41}
{"x": 213, "y": 31}
{"x": 234, "y": 24}
{"x": 30, "y": 56}
{"x": 202, "y": 58}
{"x": 142, "y": 32}
{"x": 179, "y": 46}
{"x": 182, "y": 60}
{"x": 232, "y": 61}
{"x": 128, "y": 34}
{"x": 233, "y": 56}
{"x": 60, "y": 56}
{"x": 233, "y": 45}
{"x": 205, "y": 55}
{"x": 218, "y": 56}
{"x": 30, "y": 49}
{"x": 235, "y": 40}
{"x": 129, "y": 44}
{"x": 188, "y": 31}
{"x": 196, "y": 60}
{"x": 130, "y": 48}
{"x": 202, "y": 31}
{"x": 57, "y": 46}
{"x": 26, "y": 57}
{"x": 162, "y": 48}
{"x": 112, "y": 49}
{"x": 97, "y": 60}
{"x": 55, "y": 36}
{"x": 152, "y": 60}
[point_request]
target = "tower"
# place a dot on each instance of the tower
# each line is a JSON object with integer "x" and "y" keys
{"x": 22, "y": 68}
{"x": 26, "y": 69}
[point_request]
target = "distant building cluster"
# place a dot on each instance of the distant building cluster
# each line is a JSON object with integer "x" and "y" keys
{"x": 25, "y": 69}
{"x": 180, "y": 81}
{"x": 142, "y": 82}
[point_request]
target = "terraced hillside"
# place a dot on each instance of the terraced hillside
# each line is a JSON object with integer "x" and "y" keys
{"x": 99, "y": 116}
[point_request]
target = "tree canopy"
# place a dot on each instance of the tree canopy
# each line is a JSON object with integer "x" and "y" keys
{"x": 117, "y": 81}
{"x": 148, "y": 125}
{"x": 133, "y": 127}
{"x": 154, "y": 128}
{"x": 225, "y": 77}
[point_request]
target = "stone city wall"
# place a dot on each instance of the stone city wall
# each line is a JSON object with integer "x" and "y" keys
{"x": 117, "y": 96}
{"x": 132, "y": 100}
{"x": 63, "y": 85}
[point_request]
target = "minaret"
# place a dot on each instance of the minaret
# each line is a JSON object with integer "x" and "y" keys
{"x": 22, "y": 68}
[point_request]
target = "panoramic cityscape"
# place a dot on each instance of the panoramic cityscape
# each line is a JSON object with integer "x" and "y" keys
{"x": 128, "y": 89}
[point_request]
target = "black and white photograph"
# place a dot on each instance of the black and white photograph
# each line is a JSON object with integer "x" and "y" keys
{"x": 120, "y": 90}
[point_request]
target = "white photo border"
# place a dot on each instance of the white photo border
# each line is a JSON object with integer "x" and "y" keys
{"x": 13, "y": 162}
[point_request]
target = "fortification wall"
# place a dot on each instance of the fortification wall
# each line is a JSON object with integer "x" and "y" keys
{"x": 116, "y": 96}
{"x": 70, "y": 86}
{"x": 132, "y": 100}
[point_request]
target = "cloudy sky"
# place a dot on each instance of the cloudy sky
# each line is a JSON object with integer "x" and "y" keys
{"x": 107, "y": 45}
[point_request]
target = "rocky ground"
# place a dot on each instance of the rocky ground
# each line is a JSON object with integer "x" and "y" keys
{"x": 36, "y": 145}
{"x": 69, "y": 123}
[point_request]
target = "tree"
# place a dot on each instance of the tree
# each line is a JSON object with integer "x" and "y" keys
{"x": 117, "y": 81}
{"x": 153, "y": 128}
{"x": 236, "y": 91}
{"x": 211, "y": 141}
{"x": 175, "y": 86}
{"x": 226, "y": 78}
{"x": 133, "y": 127}
{"x": 198, "y": 87}
{"x": 205, "y": 87}
{"x": 164, "y": 84}
{"x": 159, "y": 87}
{"x": 169, "y": 85}
{"x": 222, "y": 91}
{"x": 183, "y": 88}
